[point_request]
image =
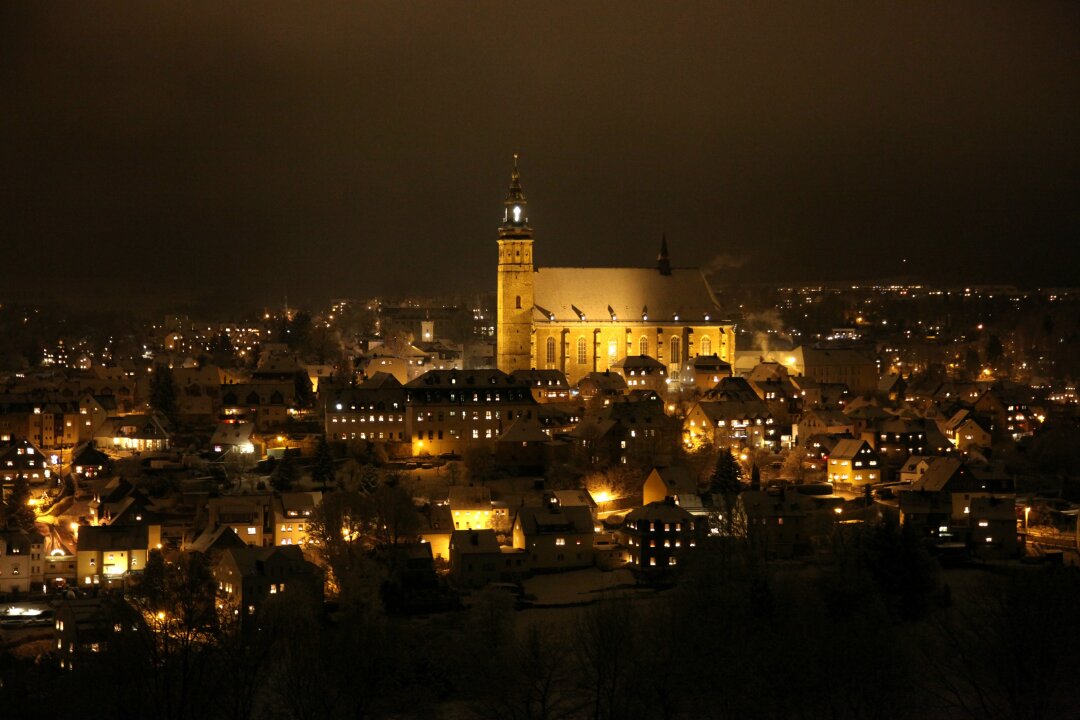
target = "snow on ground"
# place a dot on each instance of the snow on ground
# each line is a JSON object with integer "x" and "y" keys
{"x": 578, "y": 586}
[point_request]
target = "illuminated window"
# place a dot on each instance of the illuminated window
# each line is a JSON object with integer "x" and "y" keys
{"x": 675, "y": 351}
{"x": 612, "y": 348}
{"x": 643, "y": 346}
{"x": 582, "y": 355}
{"x": 560, "y": 541}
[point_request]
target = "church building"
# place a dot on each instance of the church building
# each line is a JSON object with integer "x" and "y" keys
{"x": 582, "y": 320}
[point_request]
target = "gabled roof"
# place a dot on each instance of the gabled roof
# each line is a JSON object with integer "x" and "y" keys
{"x": 571, "y": 498}
{"x": 464, "y": 379}
{"x": 19, "y": 543}
{"x": 676, "y": 479}
{"x": 828, "y": 417}
{"x": 256, "y": 561}
{"x": 380, "y": 381}
{"x": 464, "y": 496}
{"x": 214, "y": 539}
{"x": 436, "y": 520}
{"x": 767, "y": 370}
{"x": 473, "y": 542}
{"x": 846, "y": 449}
{"x": 90, "y": 456}
{"x": 523, "y": 430}
{"x": 555, "y": 519}
{"x": 606, "y": 381}
{"x": 640, "y": 364}
{"x": 301, "y": 503}
{"x": 549, "y": 379}
{"x": 732, "y": 388}
{"x": 939, "y": 475}
{"x": 145, "y": 427}
{"x": 710, "y": 363}
{"x": 114, "y": 537}
{"x": 912, "y": 463}
{"x": 735, "y": 410}
{"x": 232, "y": 433}
{"x": 658, "y": 511}
{"x": 770, "y": 503}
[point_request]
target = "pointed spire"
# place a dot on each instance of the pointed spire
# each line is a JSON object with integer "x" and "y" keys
{"x": 515, "y": 220}
{"x": 663, "y": 262}
{"x": 516, "y": 194}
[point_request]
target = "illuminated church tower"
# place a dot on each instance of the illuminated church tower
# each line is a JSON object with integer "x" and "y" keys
{"x": 513, "y": 343}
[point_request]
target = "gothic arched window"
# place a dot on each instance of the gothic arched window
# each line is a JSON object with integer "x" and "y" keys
{"x": 551, "y": 350}
{"x": 643, "y": 346}
{"x": 706, "y": 346}
{"x": 675, "y": 359}
{"x": 582, "y": 355}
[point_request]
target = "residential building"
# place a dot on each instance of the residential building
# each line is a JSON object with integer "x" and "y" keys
{"x": 555, "y": 537}
{"x": 293, "y": 514}
{"x": 22, "y": 563}
{"x": 854, "y": 464}
{"x": 249, "y": 577}
{"x": 107, "y": 555}
{"x": 449, "y": 411}
{"x": 657, "y": 534}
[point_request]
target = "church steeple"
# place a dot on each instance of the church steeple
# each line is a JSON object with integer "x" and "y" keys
{"x": 513, "y": 341}
{"x": 515, "y": 222}
{"x": 663, "y": 262}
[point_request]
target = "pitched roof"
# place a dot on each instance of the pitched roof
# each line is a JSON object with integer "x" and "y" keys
{"x": 251, "y": 560}
{"x": 629, "y": 293}
{"x": 555, "y": 519}
{"x": 606, "y": 381}
{"x": 460, "y": 379}
{"x": 710, "y": 363}
{"x": 523, "y": 430}
{"x": 639, "y": 362}
{"x": 462, "y": 496}
{"x": 113, "y": 537}
{"x": 847, "y": 448}
{"x": 677, "y": 479}
{"x": 938, "y": 474}
{"x": 735, "y": 410}
{"x": 469, "y": 542}
{"x": 553, "y": 379}
{"x": 659, "y": 511}
{"x": 232, "y": 433}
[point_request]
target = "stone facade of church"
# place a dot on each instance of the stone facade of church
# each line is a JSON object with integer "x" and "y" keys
{"x": 581, "y": 320}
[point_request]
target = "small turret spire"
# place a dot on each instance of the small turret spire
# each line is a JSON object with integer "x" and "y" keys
{"x": 663, "y": 262}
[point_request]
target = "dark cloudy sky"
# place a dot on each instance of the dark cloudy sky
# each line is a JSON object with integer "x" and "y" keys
{"x": 346, "y": 149}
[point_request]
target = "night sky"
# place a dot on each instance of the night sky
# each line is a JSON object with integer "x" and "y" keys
{"x": 317, "y": 150}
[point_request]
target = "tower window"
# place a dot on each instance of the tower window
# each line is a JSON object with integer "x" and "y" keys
{"x": 706, "y": 346}
{"x": 517, "y": 302}
{"x": 551, "y": 350}
{"x": 612, "y": 349}
{"x": 582, "y": 355}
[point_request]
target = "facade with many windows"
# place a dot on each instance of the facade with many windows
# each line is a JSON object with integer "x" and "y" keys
{"x": 449, "y": 410}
